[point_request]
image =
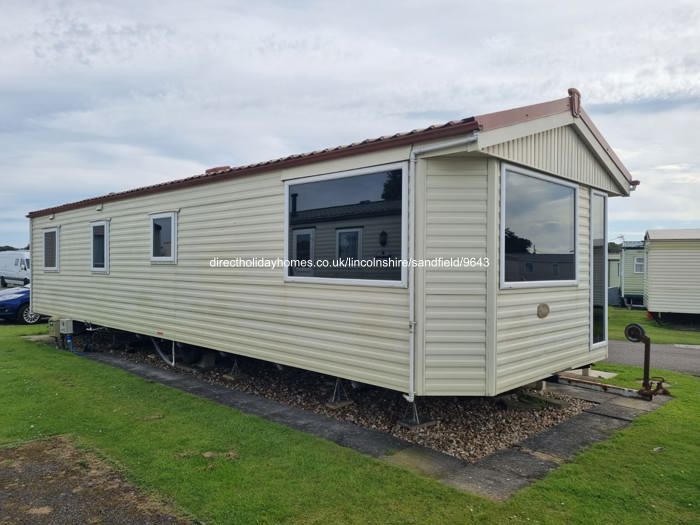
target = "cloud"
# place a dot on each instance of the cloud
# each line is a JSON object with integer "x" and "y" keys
{"x": 99, "y": 96}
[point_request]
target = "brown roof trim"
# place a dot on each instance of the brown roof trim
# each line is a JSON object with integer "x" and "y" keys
{"x": 510, "y": 117}
{"x": 485, "y": 122}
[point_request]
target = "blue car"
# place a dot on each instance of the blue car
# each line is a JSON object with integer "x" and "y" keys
{"x": 14, "y": 305}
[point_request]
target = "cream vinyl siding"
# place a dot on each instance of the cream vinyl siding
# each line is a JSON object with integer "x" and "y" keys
{"x": 452, "y": 302}
{"x": 559, "y": 151}
{"x": 529, "y": 348}
{"x": 355, "y": 332}
{"x": 673, "y": 277}
{"x": 632, "y": 283}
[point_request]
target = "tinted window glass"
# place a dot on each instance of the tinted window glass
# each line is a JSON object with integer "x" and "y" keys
{"x": 98, "y": 246}
{"x": 539, "y": 230}
{"x": 356, "y": 224}
{"x": 50, "y": 249}
{"x": 162, "y": 237}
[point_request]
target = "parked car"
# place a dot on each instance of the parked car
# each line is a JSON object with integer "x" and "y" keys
{"x": 14, "y": 305}
{"x": 14, "y": 267}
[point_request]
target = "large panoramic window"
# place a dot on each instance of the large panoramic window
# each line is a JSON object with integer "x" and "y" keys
{"x": 599, "y": 289}
{"x": 164, "y": 237}
{"x": 347, "y": 226}
{"x": 51, "y": 249}
{"x": 100, "y": 246}
{"x": 538, "y": 232}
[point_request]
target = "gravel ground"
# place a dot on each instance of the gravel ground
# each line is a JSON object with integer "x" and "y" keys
{"x": 465, "y": 427}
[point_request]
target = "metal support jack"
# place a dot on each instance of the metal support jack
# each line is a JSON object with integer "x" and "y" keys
{"x": 412, "y": 419}
{"x": 235, "y": 372}
{"x": 340, "y": 396}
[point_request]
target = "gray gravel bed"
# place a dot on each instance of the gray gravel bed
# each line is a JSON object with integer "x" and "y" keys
{"x": 468, "y": 428}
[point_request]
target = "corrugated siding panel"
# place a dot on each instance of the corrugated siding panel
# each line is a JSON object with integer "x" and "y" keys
{"x": 633, "y": 283}
{"x": 559, "y": 151}
{"x": 530, "y": 348}
{"x": 673, "y": 277}
{"x": 356, "y": 332}
{"x": 455, "y": 299}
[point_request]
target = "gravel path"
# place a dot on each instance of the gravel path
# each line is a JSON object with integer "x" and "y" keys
{"x": 468, "y": 428}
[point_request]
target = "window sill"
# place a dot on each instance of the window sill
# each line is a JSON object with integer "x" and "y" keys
{"x": 331, "y": 281}
{"x": 538, "y": 284}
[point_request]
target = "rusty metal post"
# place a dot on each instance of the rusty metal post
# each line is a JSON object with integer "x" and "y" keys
{"x": 646, "y": 385}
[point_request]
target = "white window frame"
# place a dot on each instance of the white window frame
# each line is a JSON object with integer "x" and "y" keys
{"x": 403, "y": 283}
{"x": 599, "y": 344}
{"x": 348, "y": 230}
{"x": 57, "y": 230}
{"x": 172, "y": 215}
{"x": 506, "y": 285}
{"x": 93, "y": 225}
{"x": 635, "y": 263}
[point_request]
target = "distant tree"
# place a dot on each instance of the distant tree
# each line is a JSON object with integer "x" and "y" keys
{"x": 392, "y": 187}
{"x": 613, "y": 247}
{"x": 7, "y": 248}
{"x": 516, "y": 244}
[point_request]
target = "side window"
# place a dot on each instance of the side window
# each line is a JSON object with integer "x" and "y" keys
{"x": 538, "y": 230}
{"x": 164, "y": 237}
{"x": 100, "y": 246}
{"x": 51, "y": 249}
{"x": 639, "y": 265}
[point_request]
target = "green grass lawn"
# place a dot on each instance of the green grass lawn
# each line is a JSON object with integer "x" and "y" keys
{"x": 618, "y": 318}
{"x": 149, "y": 431}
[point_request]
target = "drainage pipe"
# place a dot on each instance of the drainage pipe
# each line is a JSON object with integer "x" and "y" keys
{"x": 415, "y": 152}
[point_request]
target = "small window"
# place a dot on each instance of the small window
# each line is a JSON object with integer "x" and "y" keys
{"x": 538, "y": 230}
{"x": 16, "y": 262}
{"x": 51, "y": 249}
{"x": 100, "y": 246}
{"x": 348, "y": 243}
{"x": 164, "y": 237}
{"x": 639, "y": 265}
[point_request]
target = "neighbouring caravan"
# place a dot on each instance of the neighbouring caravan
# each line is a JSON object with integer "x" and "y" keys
{"x": 672, "y": 273}
{"x": 633, "y": 263}
{"x": 614, "y": 272}
{"x": 466, "y": 259}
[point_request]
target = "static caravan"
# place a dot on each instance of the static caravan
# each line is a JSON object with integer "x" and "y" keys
{"x": 614, "y": 272}
{"x": 672, "y": 276}
{"x": 633, "y": 264}
{"x": 466, "y": 259}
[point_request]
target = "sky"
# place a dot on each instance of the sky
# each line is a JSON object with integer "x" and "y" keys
{"x": 99, "y": 96}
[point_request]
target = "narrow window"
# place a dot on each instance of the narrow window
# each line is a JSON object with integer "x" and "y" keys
{"x": 348, "y": 243}
{"x": 538, "y": 230}
{"x": 164, "y": 237}
{"x": 100, "y": 246}
{"x": 639, "y": 265}
{"x": 51, "y": 249}
{"x": 350, "y": 225}
{"x": 599, "y": 246}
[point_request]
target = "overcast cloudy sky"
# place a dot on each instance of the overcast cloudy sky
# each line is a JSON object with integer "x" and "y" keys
{"x": 103, "y": 96}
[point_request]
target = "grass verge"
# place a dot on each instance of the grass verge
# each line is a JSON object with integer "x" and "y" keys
{"x": 618, "y": 318}
{"x": 278, "y": 475}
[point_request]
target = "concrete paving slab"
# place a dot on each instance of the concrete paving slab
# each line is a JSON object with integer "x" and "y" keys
{"x": 518, "y": 462}
{"x": 486, "y": 482}
{"x": 594, "y": 396}
{"x": 426, "y": 461}
{"x": 616, "y": 411}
